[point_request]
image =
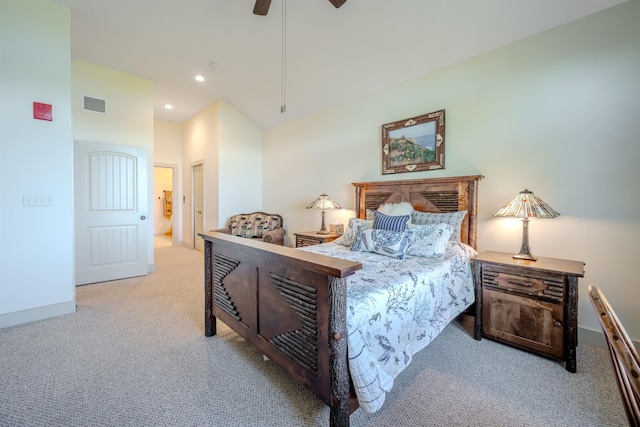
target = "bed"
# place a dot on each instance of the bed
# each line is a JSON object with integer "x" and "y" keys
{"x": 293, "y": 304}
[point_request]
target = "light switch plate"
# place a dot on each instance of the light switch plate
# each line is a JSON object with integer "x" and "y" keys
{"x": 33, "y": 200}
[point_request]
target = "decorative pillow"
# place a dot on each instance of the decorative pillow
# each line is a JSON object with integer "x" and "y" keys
{"x": 429, "y": 241}
{"x": 388, "y": 222}
{"x": 454, "y": 219}
{"x": 349, "y": 235}
{"x": 393, "y": 244}
{"x": 463, "y": 248}
{"x": 402, "y": 208}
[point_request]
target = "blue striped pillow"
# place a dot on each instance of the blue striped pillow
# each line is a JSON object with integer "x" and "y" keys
{"x": 391, "y": 223}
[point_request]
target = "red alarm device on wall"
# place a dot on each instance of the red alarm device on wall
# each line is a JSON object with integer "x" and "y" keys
{"x": 42, "y": 111}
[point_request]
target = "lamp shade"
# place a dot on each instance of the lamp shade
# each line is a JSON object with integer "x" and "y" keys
{"x": 323, "y": 202}
{"x": 525, "y": 204}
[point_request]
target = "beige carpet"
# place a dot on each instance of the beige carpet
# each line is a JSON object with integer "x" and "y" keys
{"x": 135, "y": 354}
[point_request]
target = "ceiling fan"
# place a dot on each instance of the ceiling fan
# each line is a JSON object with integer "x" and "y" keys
{"x": 262, "y": 6}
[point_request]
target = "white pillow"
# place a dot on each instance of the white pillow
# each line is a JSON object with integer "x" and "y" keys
{"x": 454, "y": 219}
{"x": 349, "y": 234}
{"x": 429, "y": 241}
{"x": 396, "y": 209}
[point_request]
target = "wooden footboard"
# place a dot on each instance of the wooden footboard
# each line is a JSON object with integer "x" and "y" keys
{"x": 290, "y": 304}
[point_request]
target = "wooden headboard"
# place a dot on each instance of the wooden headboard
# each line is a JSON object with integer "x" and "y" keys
{"x": 426, "y": 195}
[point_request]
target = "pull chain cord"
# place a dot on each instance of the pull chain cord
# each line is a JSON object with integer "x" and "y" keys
{"x": 283, "y": 79}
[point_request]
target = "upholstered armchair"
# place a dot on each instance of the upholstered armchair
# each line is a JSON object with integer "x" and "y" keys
{"x": 257, "y": 225}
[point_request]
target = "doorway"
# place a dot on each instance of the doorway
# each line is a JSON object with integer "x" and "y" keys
{"x": 165, "y": 205}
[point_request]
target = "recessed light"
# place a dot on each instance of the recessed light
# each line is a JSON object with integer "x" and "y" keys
{"x": 199, "y": 78}
{"x": 168, "y": 106}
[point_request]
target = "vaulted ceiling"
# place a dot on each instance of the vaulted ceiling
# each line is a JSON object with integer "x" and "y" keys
{"x": 332, "y": 55}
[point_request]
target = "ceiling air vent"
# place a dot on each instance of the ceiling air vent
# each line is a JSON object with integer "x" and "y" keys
{"x": 94, "y": 104}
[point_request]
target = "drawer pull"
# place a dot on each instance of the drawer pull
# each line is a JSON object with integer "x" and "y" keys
{"x": 526, "y": 283}
{"x": 557, "y": 322}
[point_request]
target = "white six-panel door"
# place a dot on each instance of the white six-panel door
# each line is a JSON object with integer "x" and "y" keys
{"x": 110, "y": 212}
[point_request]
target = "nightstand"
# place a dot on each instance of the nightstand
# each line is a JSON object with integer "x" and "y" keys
{"x": 309, "y": 238}
{"x": 532, "y": 305}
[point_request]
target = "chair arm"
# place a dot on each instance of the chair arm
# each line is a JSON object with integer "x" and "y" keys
{"x": 275, "y": 236}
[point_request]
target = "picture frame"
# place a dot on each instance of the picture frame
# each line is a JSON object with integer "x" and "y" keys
{"x": 415, "y": 144}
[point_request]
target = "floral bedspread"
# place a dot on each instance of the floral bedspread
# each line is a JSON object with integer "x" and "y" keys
{"x": 395, "y": 308}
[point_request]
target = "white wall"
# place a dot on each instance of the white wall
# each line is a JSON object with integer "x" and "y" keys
{"x": 240, "y": 165}
{"x": 229, "y": 145}
{"x": 167, "y": 142}
{"x": 167, "y": 151}
{"x": 556, "y": 113}
{"x": 200, "y": 145}
{"x": 36, "y": 157}
{"x": 129, "y": 118}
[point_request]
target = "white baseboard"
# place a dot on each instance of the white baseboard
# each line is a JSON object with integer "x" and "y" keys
{"x": 35, "y": 314}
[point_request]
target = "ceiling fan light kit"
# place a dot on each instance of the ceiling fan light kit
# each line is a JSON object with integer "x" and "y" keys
{"x": 261, "y": 7}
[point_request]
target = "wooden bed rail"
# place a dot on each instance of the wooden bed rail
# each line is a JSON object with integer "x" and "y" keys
{"x": 624, "y": 356}
{"x": 290, "y": 304}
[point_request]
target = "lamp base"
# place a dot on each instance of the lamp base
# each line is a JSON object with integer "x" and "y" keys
{"x": 527, "y": 257}
{"x": 323, "y": 228}
{"x": 525, "y": 252}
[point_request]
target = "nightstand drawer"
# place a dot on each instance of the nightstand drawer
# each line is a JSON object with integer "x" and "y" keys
{"x": 523, "y": 322}
{"x": 302, "y": 241}
{"x": 312, "y": 238}
{"x": 549, "y": 287}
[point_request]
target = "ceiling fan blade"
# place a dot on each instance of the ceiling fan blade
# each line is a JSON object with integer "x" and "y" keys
{"x": 262, "y": 7}
{"x": 337, "y": 3}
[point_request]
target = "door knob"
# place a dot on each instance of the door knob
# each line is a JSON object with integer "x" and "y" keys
{"x": 143, "y": 217}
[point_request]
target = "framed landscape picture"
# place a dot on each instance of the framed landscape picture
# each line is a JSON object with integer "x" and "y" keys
{"x": 415, "y": 144}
